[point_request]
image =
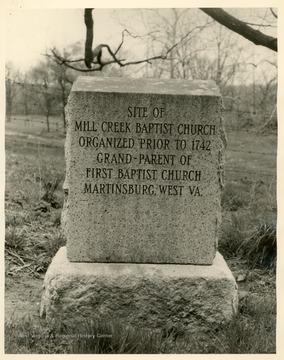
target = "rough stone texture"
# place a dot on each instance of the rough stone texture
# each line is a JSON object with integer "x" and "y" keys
{"x": 178, "y": 227}
{"x": 140, "y": 295}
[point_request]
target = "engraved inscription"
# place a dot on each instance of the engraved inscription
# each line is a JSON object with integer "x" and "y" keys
{"x": 145, "y": 154}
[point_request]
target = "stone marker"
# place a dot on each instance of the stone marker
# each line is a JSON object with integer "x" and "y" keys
{"x": 195, "y": 298}
{"x": 142, "y": 209}
{"x": 144, "y": 166}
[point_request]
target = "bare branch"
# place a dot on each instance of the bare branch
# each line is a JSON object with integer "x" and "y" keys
{"x": 139, "y": 36}
{"x": 125, "y": 31}
{"x": 163, "y": 57}
{"x": 261, "y": 25}
{"x": 262, "y": 61}
{"x": 273, "y": 13}
{"x": 111, "y": 53}
{"x": 122, "y": 41}
{"x": 241, "y": 28}
{"x": 184, "y": 37}
{"x": 269, "y": 62}
{"x": 62, "y": 61}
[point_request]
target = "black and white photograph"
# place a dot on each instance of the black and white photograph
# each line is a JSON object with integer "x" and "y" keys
{"x": 140, "y": 157}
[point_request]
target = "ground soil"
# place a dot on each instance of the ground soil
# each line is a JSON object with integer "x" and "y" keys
{"x": 22, "y": 296}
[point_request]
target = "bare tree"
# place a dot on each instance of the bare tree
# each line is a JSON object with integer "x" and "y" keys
{"x": 63, "y": 79}
{"x": 242, "y": 28}
{"x": 43, "y": 81}
{"x": 26, "y": 91}
{"x": 208, "y": 51}
{"x": 167, "y": 28}
{"x": 11, "y": 89}
{"x": 93, "y": 57}
{"x": 227, "y": 56}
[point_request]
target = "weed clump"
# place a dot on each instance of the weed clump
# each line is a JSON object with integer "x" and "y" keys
{"x": 31, "y": 335}
{"x": 50, "y": 187}
{"x": 46, "y": 248}
{"x": 233, "y": 233}
{"x": 113, "y": 338}
{"x": 261, "y": 246}
{"x": 15, "y": 238}
{"x": 257, "y": 245}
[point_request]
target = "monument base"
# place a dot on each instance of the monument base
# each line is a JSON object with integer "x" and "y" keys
{"x": 192, "y": 297}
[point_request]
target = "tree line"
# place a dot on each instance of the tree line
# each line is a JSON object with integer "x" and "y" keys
{"x": 179, "y": 44}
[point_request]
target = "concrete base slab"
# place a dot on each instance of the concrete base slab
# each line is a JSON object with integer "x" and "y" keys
{"x": 140, "y": 295}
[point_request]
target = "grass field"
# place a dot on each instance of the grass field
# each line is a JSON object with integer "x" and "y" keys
{"x": 33, "y": 203}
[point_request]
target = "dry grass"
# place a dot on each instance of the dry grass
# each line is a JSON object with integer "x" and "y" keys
{"x": 252, "y": 331}
{"x": 33, "y": 205}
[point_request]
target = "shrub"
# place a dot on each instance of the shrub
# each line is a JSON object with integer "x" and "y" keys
{"x": 260, "y": 247}
{"x": 15, "y": 238}
{"x": 253, "y": 330}
{"x": 233, "y": 233}
{"x": 17, "y": 218}
{"x": 50, "y": 186}
{"x": 46, "y": 248}
{"x": 254, "y": 243}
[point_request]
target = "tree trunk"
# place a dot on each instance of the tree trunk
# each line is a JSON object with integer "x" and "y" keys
{"x": 89, "y": 22}
{"x": 9, "y": 100}
{"x": 26, "y": 107}
{"x": 47, "y": 121}
{"x": 8, "y": 112}
{"x": 64, "y": 103}
{"x": 9, "y": 118}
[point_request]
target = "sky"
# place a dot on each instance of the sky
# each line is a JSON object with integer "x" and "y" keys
{"x": 32, "y": 32}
